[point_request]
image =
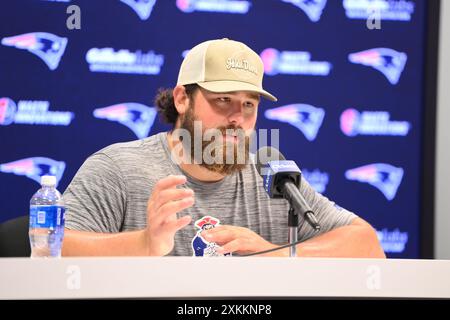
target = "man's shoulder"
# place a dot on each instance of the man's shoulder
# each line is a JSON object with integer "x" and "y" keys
{"x": 135, "y": 148}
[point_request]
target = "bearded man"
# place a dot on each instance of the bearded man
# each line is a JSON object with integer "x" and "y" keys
{"x": 156, "y": 196}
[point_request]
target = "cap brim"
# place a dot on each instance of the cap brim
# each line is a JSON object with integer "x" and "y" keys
{"x": 230, "y": 86}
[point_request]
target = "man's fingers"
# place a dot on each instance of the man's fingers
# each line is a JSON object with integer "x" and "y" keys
{"x": 236, "y": 245}
{"x": 171, "y": 208}
{"x": 220, "y": 237}
{"x": 170, "y": 181}
{"x": 174, "y": 226}
{"x": 171, "y": 195}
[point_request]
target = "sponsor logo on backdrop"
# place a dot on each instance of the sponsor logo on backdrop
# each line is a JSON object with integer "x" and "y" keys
{"x": 372, "y": 123}
{"x": 317, "y": 179}
{"x": 222, "y": 6}
{"x": 35, "y": 167}
{"x": 389, "y": 62}
{"x": 49, "y": 47}
{"x": 293, "y": 62}
{"x": 308, "y": 119}
{"x": 143, "y": 8}
{"x": 312, "y": 8}
{"x": 393, "y": 241}
{"x": 394, "y": 10}
{"x": 33, "y": 112}
{"x": 137, "y": 117}
{"x": 384, "y": 177}
{"x": 124, "y": 61}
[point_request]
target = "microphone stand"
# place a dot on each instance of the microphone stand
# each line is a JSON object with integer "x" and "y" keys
{"x": 293, "y": 231}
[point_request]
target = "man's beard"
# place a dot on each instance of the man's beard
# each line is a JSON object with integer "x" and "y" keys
{"x": 232, "y": 157}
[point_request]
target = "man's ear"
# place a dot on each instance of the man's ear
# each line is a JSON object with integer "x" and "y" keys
{"x": 180, "y": 99}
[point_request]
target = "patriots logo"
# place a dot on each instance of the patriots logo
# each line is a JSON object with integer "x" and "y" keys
{"x": 384, "y": 177}
{"x": 46, "y": 46}
{"x": 312, "y": 8}
{"x": 8, "y": 110}
{"x": 202, "y": 247}
{"x": 143, "y": 8}
{"x": 137, "y": 117}
{"x": 34, "y": 168}
{"x": 388, "y": 61}
{"x": 306, "y": 118}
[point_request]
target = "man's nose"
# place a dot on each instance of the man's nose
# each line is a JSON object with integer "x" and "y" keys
{"x": 236, "y": 115}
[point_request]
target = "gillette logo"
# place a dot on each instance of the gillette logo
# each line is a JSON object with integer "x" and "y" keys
{"x": 143, "y": 8}
{"x": 388, "y": 61}
{"x": 317, "y": 179}
{"x": 293, "y": 62}
{"x": 33, "y": 113}
{"x": 124, "y": 61}
{"x": 137, "y": 117}
{"x": 34, "y": 168}
{"x": 312, "y": 8}
{"x": 46, "y": 46}
{"x": 372, "y": 123}
{"x": 384, "y": 177}
{"x": 221, "y": 6}
{"x": 393, "y": 10}
{"x": 306, "y": 118}
{"x": 393, "y": 241}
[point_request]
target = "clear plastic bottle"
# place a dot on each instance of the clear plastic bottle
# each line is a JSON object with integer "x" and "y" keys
{"x": 46, "y": 229}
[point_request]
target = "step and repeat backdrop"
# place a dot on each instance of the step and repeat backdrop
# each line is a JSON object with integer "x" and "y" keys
{"x": 76, "y": 76}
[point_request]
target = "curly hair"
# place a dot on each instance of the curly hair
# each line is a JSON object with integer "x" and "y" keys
{"x": 166, "y": 106}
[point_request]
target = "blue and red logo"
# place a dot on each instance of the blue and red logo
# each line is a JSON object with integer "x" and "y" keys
{"x": 137, "y": 117}
{"x": 200, "y": 246}
{"x": 312, "y": 8}
{"x": 8, "y": 110}
{"x": 49, "y": 47}
{"x": 143, "y": 8}
{"x": 34, "y": 168}
{"x": 293, "y": 63}
{"x": 384, "y": 177}
{"x": 375, "y": 123}
{"x": 308, "y": 119}
{"x": 389, "y": 62}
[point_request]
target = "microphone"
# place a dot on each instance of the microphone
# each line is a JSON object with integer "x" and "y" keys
{"x": 282, "y": 179}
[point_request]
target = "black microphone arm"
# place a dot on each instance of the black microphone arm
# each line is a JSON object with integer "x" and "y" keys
{"x": 298, "y": 202}
{"x": 286, "y": 185}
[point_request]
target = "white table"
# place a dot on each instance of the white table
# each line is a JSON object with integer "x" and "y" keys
{"x": 178, "y": 277}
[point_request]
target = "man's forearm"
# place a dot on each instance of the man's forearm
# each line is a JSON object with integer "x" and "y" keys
{"x": 358, "y": 240}
{"x": 81, "y": 243}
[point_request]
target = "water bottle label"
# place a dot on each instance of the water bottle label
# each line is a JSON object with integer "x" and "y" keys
{"x": 46, "y": 216}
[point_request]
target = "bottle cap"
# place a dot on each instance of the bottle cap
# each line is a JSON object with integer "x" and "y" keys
{"x": 48, "y": 181}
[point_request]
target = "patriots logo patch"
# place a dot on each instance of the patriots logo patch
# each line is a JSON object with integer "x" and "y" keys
{"x": 200, "y": 246}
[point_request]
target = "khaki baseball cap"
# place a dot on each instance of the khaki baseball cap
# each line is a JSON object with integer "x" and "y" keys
{"x": 223, "y": 66}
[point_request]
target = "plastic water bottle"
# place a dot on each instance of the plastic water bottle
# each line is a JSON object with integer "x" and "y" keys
{"x": 46, "y": 229}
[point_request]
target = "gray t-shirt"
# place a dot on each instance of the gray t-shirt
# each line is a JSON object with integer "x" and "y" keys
{"x": 110, "y": 191}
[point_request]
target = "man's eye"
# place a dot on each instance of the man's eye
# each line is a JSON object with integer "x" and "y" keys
{"x": 249, "y": 105}
{"x": 223, "y": 99}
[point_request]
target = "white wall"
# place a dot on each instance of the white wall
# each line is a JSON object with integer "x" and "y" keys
{"x": 442, "y": 237}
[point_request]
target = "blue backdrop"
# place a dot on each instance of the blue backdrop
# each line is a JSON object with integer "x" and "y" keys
{"x": 348, "y": 75}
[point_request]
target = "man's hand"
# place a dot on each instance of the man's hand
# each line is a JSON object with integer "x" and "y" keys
{"x": 163, "y": 205}
{"x": 238, "y": 240}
